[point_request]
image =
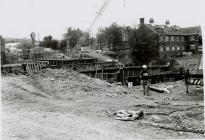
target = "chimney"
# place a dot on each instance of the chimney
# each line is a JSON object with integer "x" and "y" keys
{"x": 142, "y": 21}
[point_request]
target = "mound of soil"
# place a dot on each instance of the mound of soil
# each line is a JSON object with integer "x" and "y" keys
{"x": 63, "y": 82}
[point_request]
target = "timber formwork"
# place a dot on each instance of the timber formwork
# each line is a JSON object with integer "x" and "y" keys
{"x": 109, "y": 71}
{"x": 112, "y": 71}
{"x": 67, "y": 62}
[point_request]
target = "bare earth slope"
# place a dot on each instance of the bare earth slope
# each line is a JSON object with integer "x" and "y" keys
{"x": 63, "y": 104}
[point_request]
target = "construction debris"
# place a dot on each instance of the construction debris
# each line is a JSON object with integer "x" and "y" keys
{"x": 54, "y": 94}
{"x": 163, "y": 88}
{"x": 128, "y": 115}
{"x": 65, "y": 82}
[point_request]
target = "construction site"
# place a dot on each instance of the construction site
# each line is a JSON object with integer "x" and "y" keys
{"x": 64, "y": 104}
{"x": 94, "y": 91}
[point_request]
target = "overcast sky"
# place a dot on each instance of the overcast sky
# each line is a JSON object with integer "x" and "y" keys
{"x": 18, "y": 18}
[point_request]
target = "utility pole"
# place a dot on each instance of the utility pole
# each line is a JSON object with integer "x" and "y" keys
{"x": 68, "y": 45}
{"x": 38, "y": 41}
{"x": 91, "y": 43}
{"x": 111, "y": 41}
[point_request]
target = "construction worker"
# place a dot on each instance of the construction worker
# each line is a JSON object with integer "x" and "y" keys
{"x": 187, "y": 80}
{"x": 144, "y": 76}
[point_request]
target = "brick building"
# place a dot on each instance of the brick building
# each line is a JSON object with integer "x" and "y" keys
{"x": 173, "y": 40}
{"x": 193, "y": 39}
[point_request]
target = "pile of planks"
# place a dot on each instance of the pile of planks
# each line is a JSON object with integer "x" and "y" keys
{"x": 34, "y": 67}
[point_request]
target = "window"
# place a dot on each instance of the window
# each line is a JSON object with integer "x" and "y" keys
{"x": 161, "y": 48}
{"x": 182, "y": 38}
{"x": 167, "y": 48}
{"x": 193, "y": 47}
{"x": 172, "y": 38}
{"x": 182, "y": 48}
{"x": 178, "y": 48}
{"x": 177, "y": 38}
{"x": 191, "y": 38}
{"x": 166, "y": 38}
{"x": 161, "y": 38}
{"x": 173, "y": 48}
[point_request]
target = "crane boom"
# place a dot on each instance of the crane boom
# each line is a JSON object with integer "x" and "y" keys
{"x": 83, "y": 38}
{"x": 100, "y": 13}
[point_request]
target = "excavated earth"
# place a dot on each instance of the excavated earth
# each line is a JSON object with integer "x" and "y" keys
{"x": 63, "y": 104}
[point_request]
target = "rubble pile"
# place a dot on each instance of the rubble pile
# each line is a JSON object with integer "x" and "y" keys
{"x": 184, "y": 120}
{"x": 63, "y": 82}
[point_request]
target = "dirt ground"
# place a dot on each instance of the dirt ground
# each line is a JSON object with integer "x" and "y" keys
{"x": 48, "y": 107}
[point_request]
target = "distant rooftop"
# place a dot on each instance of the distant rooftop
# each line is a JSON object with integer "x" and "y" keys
{"x": 171, "y": 29}
{"x": 164, "y": 29}
{"x": 192, "y": 30}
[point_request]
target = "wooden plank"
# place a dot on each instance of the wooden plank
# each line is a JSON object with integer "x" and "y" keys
{"x": 156, "y": 89}
{"x": 35, "y": 68}
{"x": 28, "y": 68}
{"x": 40, "y": 68}
{"x": 32, "y": 67}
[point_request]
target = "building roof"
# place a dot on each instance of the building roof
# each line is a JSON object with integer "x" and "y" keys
{"x": 192, "y": 30}
{"x": 174, "y": 30}
{"x": 164, "y": 29}
{"x": 152, "y": 28}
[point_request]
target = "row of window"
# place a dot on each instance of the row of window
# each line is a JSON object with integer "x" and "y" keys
{"x": 192, "y": 38}
{"x": 171, "y": 48}
{"x": 171, "y": 38}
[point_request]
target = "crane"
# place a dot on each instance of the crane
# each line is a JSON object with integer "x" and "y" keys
{"x": 99, "y": 13}
{"x": 83, "y": 38}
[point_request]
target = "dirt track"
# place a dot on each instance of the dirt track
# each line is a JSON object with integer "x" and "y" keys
{"x": 28, "y": 112}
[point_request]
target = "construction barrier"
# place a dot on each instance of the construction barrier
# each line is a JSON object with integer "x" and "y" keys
{"x": 195, "y": 82}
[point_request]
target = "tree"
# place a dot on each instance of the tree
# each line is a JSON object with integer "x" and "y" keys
{"x": 63, "y": 44}
{"x": 46, "y": 41}
{"x": 101, "y": 37}
{"x": 49, "y": 42}
{"x": 75, "y": 36}
{"x": 114, "y": 33}
{"x": 54, "y": 44}
{"x": 145, "y": 48}
{"x": 26, "y": 47}
{"x": 2, "y": 45}
{"x": 141, "y": 46}
{"x": 111, "y": 35}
